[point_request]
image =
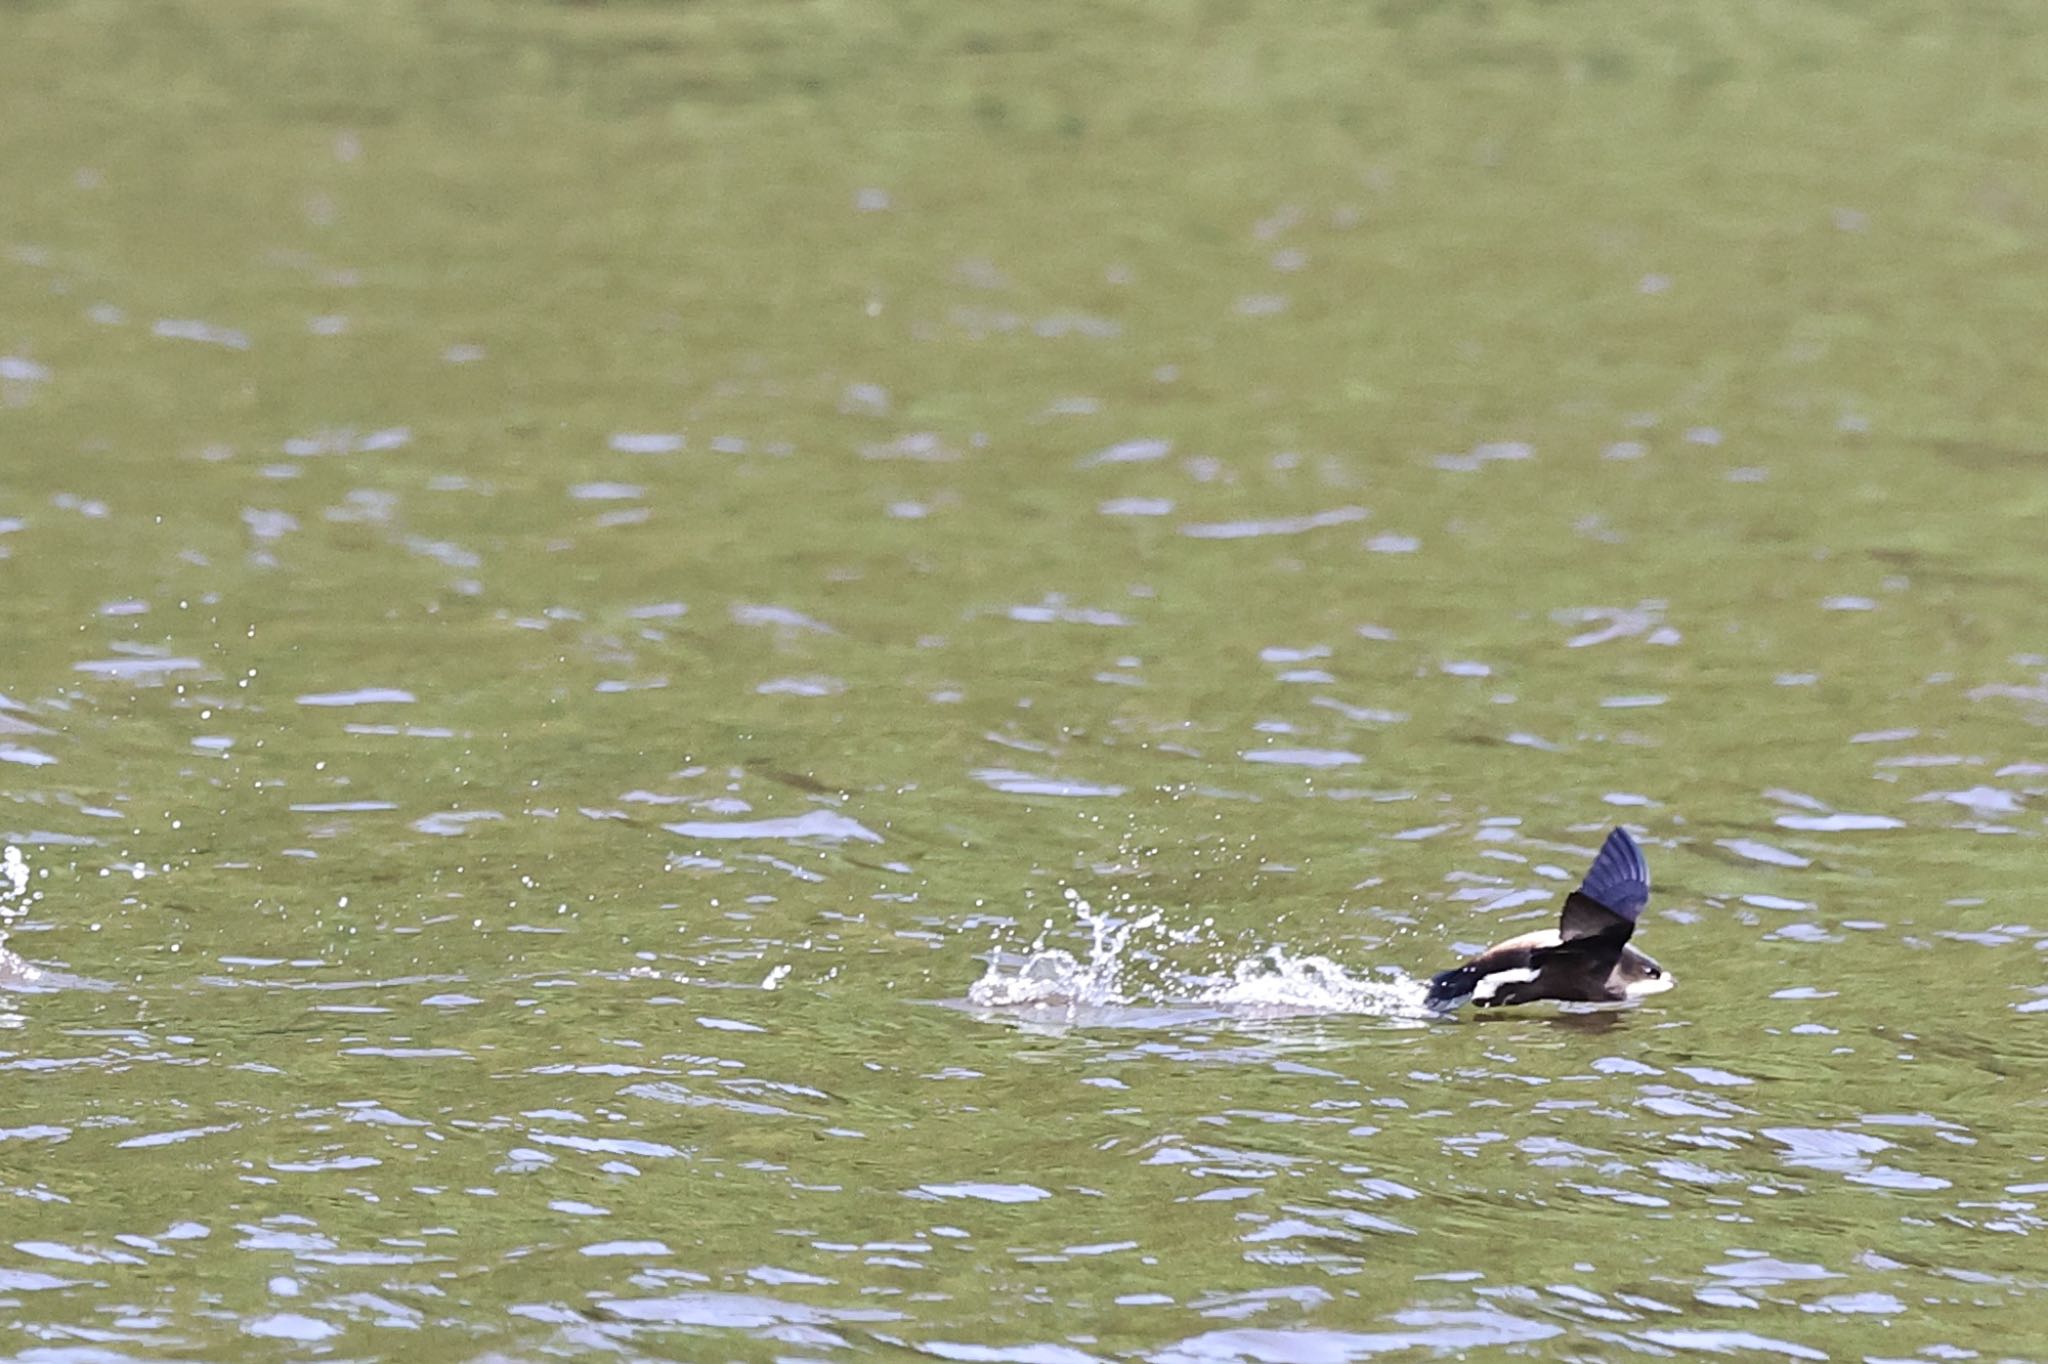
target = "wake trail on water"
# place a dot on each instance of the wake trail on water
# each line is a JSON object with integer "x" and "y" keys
{"x": 1041, "y": 981}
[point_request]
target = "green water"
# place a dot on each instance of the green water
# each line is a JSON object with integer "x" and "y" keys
{"x": 1292, "y": 475}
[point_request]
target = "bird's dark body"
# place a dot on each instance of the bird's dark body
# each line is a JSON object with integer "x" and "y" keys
{"x": 1586, "y": 958}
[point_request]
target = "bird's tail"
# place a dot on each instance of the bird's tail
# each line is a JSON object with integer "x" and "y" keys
{"x": 1452, "y": 987}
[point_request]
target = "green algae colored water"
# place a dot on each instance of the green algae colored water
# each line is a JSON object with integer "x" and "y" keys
{"x": 598, "y": 597}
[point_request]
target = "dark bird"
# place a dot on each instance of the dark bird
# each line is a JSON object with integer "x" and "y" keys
{"x": 1586, "y": 957}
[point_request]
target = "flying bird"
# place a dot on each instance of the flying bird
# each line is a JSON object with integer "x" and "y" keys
{"x": 1586, "y": 957}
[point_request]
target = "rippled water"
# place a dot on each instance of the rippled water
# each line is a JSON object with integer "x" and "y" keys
{"x": 788, "y": 682}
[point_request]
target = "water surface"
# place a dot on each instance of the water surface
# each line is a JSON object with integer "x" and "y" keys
{"x": 809, "y": 682}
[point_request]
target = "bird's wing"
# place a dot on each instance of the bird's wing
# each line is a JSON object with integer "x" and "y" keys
{"x": 1586, "y": 920}
{"x": 1616, "y": 888}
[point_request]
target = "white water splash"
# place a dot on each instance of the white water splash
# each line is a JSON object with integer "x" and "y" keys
{"x": 1045, "y": 979}
{"x": 14, "y": 896}
{"x": 14, "y": 902}
{"x": 1278, "y": 981}
{"x": 1054, "y": 976}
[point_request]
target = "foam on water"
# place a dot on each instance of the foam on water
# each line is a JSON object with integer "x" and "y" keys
{"x": 1052, "y": 980}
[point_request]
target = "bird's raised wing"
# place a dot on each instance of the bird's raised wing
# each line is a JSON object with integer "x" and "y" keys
{"x": 1616, "y": 888}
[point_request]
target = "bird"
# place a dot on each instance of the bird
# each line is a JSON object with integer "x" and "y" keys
{"x": 1587, "y": 957}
